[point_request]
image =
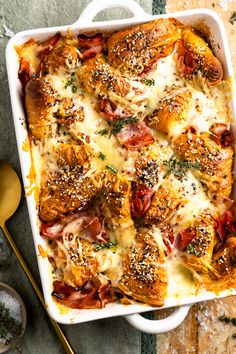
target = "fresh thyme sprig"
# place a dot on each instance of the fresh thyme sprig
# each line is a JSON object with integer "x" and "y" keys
{"x": 111, "y": 168}
{"x": 102, "y": 156}
{"x": 233, "y": 18}
{"x": 148, "y": 82}
{"x": 179, "y": 167}
{"x": 100, "y": 246}
{"x": 192, "y": 250}
{"x": 71, "y": 82}
{"x": 117, "y": 126}
{"x": 103, "y": 131}
{"x": 121, "y": 123}
{"x": 10, "y": 329}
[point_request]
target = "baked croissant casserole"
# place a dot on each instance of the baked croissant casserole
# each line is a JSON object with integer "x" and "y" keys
{"x": 132, "y": 163}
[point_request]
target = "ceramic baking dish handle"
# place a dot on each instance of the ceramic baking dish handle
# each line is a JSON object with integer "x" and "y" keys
{"x": 96, "y": 6}
{"x": 159, "y": 326}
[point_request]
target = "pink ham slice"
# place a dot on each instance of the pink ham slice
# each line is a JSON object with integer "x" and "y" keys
{"x": 90, "y": 227}
{"x": 136, "y": 136}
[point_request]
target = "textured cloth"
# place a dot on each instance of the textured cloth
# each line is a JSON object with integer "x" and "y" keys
{"x": 158, "y": 7}
{"x": 114, "y": 335}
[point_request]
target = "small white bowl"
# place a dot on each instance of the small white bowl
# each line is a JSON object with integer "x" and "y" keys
{"x": 8, "y": 289}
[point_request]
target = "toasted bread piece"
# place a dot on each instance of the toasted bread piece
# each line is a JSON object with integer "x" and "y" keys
{"x": 171, "y": 113}
{"x": 215, "y": 161}
{"x": 61, "y": 57}
{"x": 198, "y": 253}
{"x": 73, "y": 155}
{"x": 144, "y": 272}
{"x": 223, "y": 274}
{"x": 116, "y": 208}
{"x": 209, "y": 65}
{"x": 39, "y": 100}
{"x": 99, "y": 78}
{"x": 165, "y": 202}
{"x": 134, "y": 51}
{"x": 76, "y": 258}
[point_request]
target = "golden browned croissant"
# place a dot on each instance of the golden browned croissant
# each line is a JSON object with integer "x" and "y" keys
{"x": 99, "y": 78}
{"x": 72, "y": 155}
{"x": 165, "y": 202}
{"x": 116, "y": 208}
{"x": 209, "y": 65}
{"x": 68, "y": 113}
{"x": 199, "y": 251}
{"x": 135, "y": 50}
{"x": 68, "y": 191}
{"x": 65, "y": 188}
{"x": 224, "y": 265}
{"x": 38, "y": 102}
{"x": 81, "y": 264}
{"x": 170, "y": 114}
{"x": 62, "y": 56}
{"x": 144, "y": 273}
{"x": 214, "y": 161}
{"x": 147, "y": 167}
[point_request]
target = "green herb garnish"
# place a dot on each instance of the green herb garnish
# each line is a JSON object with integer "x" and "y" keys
{"x": 192, "y": 250}
{"x": 119, "y": 124}
{"x": 111, "y": 168}
{"x": 10, "y": 329}
{"x": 103, "y": 132}
{"x": 224, "y": 318}
{"x": 69, "y": 83}
{"x": 100, "y": 246}
{"x": 179, "y": 167}
{"x": 74, "y": 89}
{"x": 233, "y": 18}
{"x": 102, "y": 156}
{"x": 148, "y": 82}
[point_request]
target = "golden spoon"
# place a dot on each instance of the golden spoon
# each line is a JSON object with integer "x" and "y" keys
{"x": 10, "y": 195}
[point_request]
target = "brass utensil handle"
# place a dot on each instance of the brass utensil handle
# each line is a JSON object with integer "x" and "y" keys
{"x": 60, "y": 334}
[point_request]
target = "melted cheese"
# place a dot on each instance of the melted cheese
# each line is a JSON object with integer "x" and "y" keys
{"x": 196, "y": 201}
{"x": 164, "y": 77}
{"x": 181, "y": 282}
{"x": 110, "y": 263}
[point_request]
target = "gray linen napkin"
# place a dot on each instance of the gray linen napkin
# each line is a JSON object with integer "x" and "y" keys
{"x": 113, "y": 335}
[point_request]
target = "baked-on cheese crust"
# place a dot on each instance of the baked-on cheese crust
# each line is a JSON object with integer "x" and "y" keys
{"x": 130, "y": 142}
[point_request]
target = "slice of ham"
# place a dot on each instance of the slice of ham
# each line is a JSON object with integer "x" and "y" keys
{"x": 90, "y": 45}
{"x": 184, "y": 59}
{"x": 91, "y": 52}
{"x": 50, "y": 43}
{"x": 168, "y": 237}
{"x": 24, "y": 73}
{"x": 226, "y": 224}
{"x": 183, "y": 239}
{"x": 85, "y": 298}
{"x": 141, "y": 200}
{"x": 106, "y": 294}
{"x": 86, "y": 226}
{"x": 52, "y": 230}
{"x": 94, "y": 294}
{"x": 135, "y": 136}
{"x": 111, "y": 112}
{"x": 89, "y": 41}
{"x": 220, "y": 134}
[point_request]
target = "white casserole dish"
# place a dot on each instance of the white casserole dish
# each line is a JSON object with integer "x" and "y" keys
{"x": 85, "y": 23}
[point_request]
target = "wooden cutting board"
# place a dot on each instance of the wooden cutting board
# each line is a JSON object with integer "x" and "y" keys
{"x": 202, "y": 332}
